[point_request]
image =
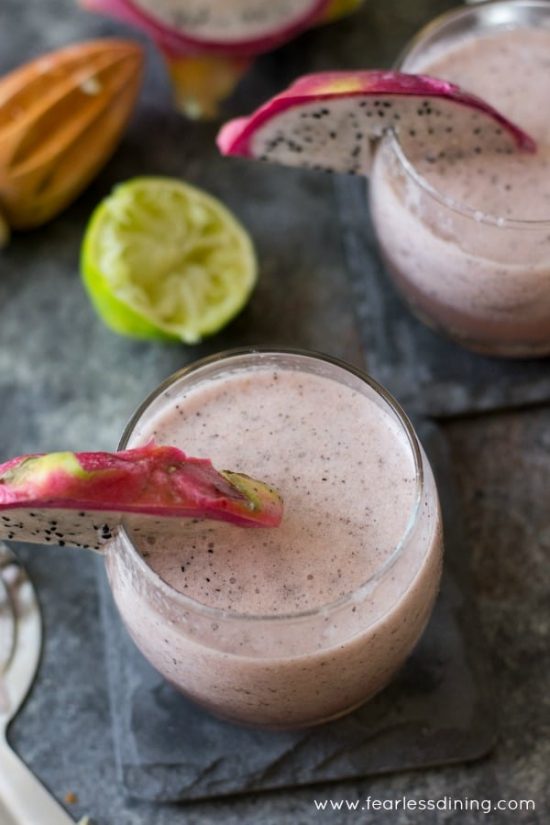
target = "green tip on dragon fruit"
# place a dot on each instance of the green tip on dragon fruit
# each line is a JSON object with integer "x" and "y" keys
{"x": 80, "y": 499}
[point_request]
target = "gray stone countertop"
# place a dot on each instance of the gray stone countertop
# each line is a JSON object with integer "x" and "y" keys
{"x": 50, "y": 399}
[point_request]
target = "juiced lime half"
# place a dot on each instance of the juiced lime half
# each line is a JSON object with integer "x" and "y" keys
{"x": 164, "y": 260}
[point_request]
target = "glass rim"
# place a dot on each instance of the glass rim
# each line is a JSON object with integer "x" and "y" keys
{"x": 225, "y": 357}
{"x": 434, "y": 26}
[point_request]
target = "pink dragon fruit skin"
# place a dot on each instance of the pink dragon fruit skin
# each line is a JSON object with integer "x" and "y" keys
{"x": 331, "y": 120}
{"x": 178, "y": 40}
{"x": 79, "y": 499}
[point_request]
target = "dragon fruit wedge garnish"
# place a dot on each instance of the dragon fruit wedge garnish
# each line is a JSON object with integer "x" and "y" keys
{"x": 209, "y": 44}
{"x": 332, "y": 121}
{"x": 79, "y": 499}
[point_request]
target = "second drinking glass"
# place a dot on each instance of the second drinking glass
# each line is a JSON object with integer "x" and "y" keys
{"x": 467, "y": 238}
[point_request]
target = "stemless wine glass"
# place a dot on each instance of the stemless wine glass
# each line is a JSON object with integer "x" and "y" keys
{"x": 297, "y": 668}
{"x": 483, "y": 279}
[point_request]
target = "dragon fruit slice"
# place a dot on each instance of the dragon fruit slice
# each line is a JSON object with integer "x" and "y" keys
{"x": 332, "y": 121}
{"x": 79, "y": 499}
{"x": 244, "y": 27}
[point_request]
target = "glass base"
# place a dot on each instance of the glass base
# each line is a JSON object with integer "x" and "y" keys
{"x": 310, "y": 723}
{"x": 519, "y": 351}
{"x": 491, "y": 347}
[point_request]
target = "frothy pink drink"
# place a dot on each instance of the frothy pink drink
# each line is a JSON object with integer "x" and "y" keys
{"x": 297, "y": 624}
{"x": 467, "y": 237}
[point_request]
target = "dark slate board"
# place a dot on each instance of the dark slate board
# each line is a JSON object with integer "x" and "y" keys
{"x": 437, "y": 711}
{"x": 427, "y": 372}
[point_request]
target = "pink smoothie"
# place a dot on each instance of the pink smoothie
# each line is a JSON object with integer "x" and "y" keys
{"x": 456, "y": 255}
{"x": 347, "y": 473}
